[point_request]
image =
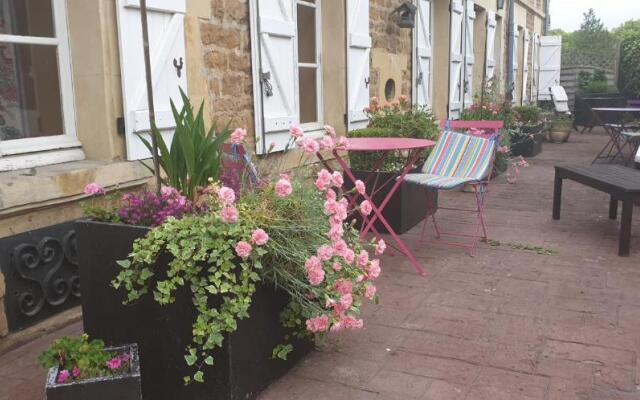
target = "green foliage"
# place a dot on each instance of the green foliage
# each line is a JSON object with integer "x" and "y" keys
{"x": 591, "y": 23}
{"x": 282, "y": 351}
{"x": 195, "y": 154}
{"x": 529, "y": 114}
{"x": 591, "y": 43}
{"x": 67, "y": 353}
{"x": 629, "y": 73}
{"x": 596, "y": 82}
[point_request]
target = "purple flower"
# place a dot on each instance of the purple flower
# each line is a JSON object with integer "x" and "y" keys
{"x": 93, "y": 189}
{"x": 125, "y": 357}
{"x": 114, "y": 363}
{"x": 149, "y": 209}
{"x": 75, "y": 372}
{"x": 63, "y": 376}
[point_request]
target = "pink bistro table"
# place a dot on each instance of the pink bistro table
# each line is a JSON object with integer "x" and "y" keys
{"x": 414, "y": 148}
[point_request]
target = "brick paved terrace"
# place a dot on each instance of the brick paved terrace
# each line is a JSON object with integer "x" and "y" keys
{"x": 508, "y": 324}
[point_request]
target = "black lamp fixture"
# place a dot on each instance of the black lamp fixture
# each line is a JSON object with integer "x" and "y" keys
{"x": 405, "y": 15}
{"x": 500, "y": 4}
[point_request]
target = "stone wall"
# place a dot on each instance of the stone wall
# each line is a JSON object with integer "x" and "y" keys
{"x": 227, "y": 56}
{"x": 391, "y": 50}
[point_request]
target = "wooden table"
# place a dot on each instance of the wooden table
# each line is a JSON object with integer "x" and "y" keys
{"x": 621, "y": 183}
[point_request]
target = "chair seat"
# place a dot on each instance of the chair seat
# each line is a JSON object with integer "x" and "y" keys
{"x": 437, "y": 181}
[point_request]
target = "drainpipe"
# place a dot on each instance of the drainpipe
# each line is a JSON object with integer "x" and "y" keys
{"x": 547, "y": 17}
{"x": 510, "y": 55}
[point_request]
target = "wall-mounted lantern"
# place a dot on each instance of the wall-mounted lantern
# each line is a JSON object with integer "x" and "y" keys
{"x": 500, "y": 4}
{"x": 405, "y": 15}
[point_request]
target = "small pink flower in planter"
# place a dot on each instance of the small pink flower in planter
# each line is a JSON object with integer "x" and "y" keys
{"x": 310, "y": 146}
{"x": 370, "y": 292}
{"x": 336, "y": 178}
{"x": 229, "y": 214}
{"x": 330, "y": 130}
{"x": 373, "y": 269}
{"x": 125, "y": 357}
{"x": 259, "y": 237}
{"x": 75, "y": 372}
{"x": 325, "y": 252}
{"x": 363, "y": 258}
{"x": 63, "y": 376}
{"x": 296, "y": 131}
{"x": 243, "y": 249}
{"x": 324, "y": 180}
{"x": 114, "y": 363}
{"x": 336, "y": 266}
{"x": 238, "y": 136}
{"x": 381, "y": 247}
{"x": 93, "y": 189}
{"x": 343, "y": 286}
{"x": 318, "y": 324}
{"x": 349, "y": 256}
{"x": 315, "y": 276}
{"x": 360, "y": 187}
{"x": 326, "y": 143}
{"x": 342, "y": 144}
{"x": 283, "y": 186}
{"x": 227, "y": 195}
{"x": 365, "y": 208}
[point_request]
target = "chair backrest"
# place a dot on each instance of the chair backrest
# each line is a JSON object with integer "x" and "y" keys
{"x": 560, "y": 99}
{"x": 460, "y": 155}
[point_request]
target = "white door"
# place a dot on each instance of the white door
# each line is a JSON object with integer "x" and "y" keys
{"x": 469, "y": 57}
{"x": 514, "y": 65}
{"x": 358, "y": 56}
{"x": 550, "y": 64}
{"x": 456, "y": 60}
{"x": 490, "y": 52}
{"x": 422, "y": 55}
{"x": 525, "y": 67}
{"x": 535, "y": 66}
{"x": 166, "y": 42}
{"x": 277, "y": 75}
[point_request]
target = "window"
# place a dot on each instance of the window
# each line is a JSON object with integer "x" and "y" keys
{"x": 36, "y": 98}
{"x": 309, "y": 63}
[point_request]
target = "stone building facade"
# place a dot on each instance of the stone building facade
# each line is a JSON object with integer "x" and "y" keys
{"x": 42, "y": 187}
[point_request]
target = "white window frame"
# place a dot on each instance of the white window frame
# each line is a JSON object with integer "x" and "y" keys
{"x": 66, "y": 139}
{"x": 310, "y": 127}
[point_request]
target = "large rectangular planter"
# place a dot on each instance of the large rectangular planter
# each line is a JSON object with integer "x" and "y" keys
{"x": 530, "y": 147}
{"x": 243, "y": 366}
{"x": 406, "y": 208}
{"x": 123, "y": 387}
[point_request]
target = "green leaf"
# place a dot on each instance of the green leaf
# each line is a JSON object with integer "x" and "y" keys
{"x": 208, "y": 360}
{"x": 199, "y": 376}
{"x": 191, "y": 359}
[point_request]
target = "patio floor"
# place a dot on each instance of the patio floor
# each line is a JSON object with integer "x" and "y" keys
{"x": 507, "y": 324}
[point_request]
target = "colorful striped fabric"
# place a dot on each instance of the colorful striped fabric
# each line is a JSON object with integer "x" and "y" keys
{"x": 457, "y": 159}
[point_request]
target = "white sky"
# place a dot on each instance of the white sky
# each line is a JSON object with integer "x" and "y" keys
{"x": 567, "y": 14}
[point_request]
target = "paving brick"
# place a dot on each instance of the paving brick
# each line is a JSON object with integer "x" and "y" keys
{"x": 591, "y": 354}
{"x": 615, "y": 378}
{"x": 516, "y": 357}
{"x": 432, "y": 344}
{"x": 525, "y": 385}
{"x": 401, "y": 383}
{"x": 460, "y": 373}
{"x": 442, "y": 390}
{"x": 580, "y": 373}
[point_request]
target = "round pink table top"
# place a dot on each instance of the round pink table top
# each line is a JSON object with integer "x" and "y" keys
{"x": 387, "y": 144}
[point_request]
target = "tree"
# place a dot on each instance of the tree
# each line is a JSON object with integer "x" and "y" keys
{"x": 629, "y": 28}
{"x": 591, "y": 23}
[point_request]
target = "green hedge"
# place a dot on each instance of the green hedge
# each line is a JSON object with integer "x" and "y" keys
{"x": 629, "y": 76}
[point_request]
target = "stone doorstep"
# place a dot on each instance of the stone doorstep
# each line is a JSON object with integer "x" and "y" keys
{"x": 34, "y": 332}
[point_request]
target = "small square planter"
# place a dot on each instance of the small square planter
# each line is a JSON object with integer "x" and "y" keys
{"x": 120, "y": 387}
{"x": 530, "y": 147}
{"x": 406, "y": 208}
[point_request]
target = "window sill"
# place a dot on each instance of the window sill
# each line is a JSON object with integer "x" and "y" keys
{"x": 37, "y": 188}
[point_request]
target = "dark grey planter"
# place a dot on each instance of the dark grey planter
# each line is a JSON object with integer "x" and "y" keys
{"x": 243, "y": 366}
{"x": 121, "y": 387}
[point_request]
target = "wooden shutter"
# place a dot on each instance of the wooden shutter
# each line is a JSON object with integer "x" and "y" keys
{"x": 422, "y": 55}
{"x": 550, "y": 63}
{"x": 535, "y": 66}
{"x": 278, "y": 72}
{"x": 456, "y": 60}
{"x": 166, "y": 37}
{"x": 514, "y": 65}
{"x": 358, "y": 56}
{"x": 469, "y": 55}
{"x": 525, "y": 66}
{"x": 490, "y": 52}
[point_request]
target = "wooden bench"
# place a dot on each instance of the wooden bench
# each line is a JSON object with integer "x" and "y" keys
{"x": 621, "y": 183}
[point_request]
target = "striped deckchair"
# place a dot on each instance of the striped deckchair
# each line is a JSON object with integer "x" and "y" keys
{"x": 456, "y": 160}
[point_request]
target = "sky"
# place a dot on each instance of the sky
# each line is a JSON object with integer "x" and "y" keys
{"x": 567, "y": 14}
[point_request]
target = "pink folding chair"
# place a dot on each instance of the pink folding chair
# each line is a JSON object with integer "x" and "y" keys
{"x": 459, "y": 159}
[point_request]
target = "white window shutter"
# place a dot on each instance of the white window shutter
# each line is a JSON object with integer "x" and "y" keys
{"x": 278, "y": 72}
{"x": 550, "y": 65}
{"x": 358, "y": 63}
{"x": 423, "y": 55}
{"x": 456, "y": 60}
{"x": 469, "y": 57}
{"x": 535, "y": 66}
{"x": 525, "y": 67}
{"x": 166, "y": 36}
{"x": 514, "y": 64}
{"x": 490, "y": 52}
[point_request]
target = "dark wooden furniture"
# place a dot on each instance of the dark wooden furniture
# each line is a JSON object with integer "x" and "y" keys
{"x": 621, "y": 183}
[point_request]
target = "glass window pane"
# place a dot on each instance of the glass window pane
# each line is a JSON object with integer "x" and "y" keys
{"x": 26, "y": 18}
{"x": 30, "y": 104}
{"x": 308, "y": 95}
{"x": 306, "y": 34}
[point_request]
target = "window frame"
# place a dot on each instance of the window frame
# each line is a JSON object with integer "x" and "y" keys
{"x": 319, "y": 124}
{"x": 68, "y": 137}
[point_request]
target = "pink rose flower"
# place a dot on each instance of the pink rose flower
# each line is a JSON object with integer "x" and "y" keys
{"x": 324, "y": 180}
{"x": 315, "y": 276}
{"x": 330, "y": 207}
{"x": 63, "y": 376}
{"x": 345, "y": 302}
{"x": 363, "y": 259}
{"x": 331, "y": 195}
{"x": 296, "y": 131}
{"x": 229, "y": 214}
{"x": 343, "y": 286}
{"x": 349, "y": 256}
{"x": 340, "y": 247}
{"x": 259, "y": 237}
{"x": 312, "y": 262}
{"x": 325, "y": 252}
{"x": 93, "y": 189}
{"x": 238, "y": 136}
{"x": 370, "y": 292}
{"x": 360, "y": 187}
{"x": 310, "y": 146}
{"x": 336, "y": 266}
{"x": 342, "y": 144}
{"x": 283, "y": 186}
{"x": 337, "y": 179}
{"x": 381, "y": 247}
{"x": 365, "y": 208}
{"x": 336, "y": 232}
{"x": 326, "y": 143}
{"x": 75, "y": 372}
{"x": 226, "y": 195}
{"x": 318, "y": 324}
{"x": 243, "y": 249}
{"x": 330, "y": 130}
{"x": 114, "y": 363}
{"x": 350, "y": 322}
{"x": 373, "y": 270}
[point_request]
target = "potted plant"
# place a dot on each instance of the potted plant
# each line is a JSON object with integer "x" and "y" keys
{"x": 207, "y": 272}
{"x": 406, "y": 208}
{"x": 560, "y": 128}
{"x": 527, "y": 133}
{"x": 80, "y": 369}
